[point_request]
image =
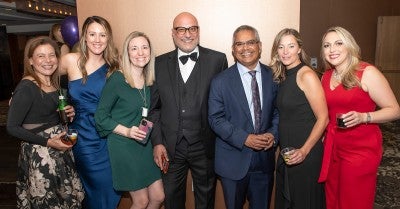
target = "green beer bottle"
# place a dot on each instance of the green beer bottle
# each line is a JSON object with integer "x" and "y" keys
{"x": 62, "y": 102}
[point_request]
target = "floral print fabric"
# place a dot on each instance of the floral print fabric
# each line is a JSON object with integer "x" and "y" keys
{"x": 47, "y": 177}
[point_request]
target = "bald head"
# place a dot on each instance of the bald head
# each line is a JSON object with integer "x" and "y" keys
{"x": 184, "y": 17}
{"x": 188, "y": 36}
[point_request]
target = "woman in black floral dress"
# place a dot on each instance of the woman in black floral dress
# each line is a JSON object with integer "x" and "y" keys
{"x": 46, "y": 170}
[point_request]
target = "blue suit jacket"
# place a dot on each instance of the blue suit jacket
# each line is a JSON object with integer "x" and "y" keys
{"x": 230, "y": 118}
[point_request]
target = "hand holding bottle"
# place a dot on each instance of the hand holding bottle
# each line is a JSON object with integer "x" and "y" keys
{"x": 70, "y": 111}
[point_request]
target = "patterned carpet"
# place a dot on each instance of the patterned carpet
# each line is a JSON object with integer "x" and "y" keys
{"x": 3, "y": 112}
{"x": 388, "y": 186}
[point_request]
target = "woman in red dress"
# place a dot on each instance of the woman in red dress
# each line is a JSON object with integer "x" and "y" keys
{"x": 352, "y": 153}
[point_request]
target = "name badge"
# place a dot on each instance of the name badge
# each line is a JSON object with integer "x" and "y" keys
{"x": 144, "y": 112}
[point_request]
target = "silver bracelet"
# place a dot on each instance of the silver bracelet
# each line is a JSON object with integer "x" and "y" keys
{"x": 368, "y": 118}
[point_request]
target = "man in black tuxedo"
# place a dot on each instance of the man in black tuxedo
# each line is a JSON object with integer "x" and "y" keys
{"x": 179, "y": 109}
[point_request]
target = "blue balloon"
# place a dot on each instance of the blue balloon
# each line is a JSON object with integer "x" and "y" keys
{"x": 70, "y": 30}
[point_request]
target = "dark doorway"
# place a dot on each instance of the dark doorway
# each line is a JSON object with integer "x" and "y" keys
{"x": 6, "y": 79}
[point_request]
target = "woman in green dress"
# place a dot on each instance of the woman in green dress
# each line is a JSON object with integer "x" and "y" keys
{"x": 123, "y": 104}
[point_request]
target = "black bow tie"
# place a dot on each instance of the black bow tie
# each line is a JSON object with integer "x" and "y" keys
{"x": 192, "y": 56}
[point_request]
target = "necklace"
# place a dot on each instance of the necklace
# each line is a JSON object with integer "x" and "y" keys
{"x": 144, "y": 108}
{"x": 337, "y": 76}
{"x": 143, "y": 96}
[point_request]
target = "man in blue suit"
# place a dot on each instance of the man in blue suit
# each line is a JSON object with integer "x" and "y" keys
{"x": 243, "y": 115}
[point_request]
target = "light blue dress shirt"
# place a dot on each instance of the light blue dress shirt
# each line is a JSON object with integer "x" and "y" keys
{"x": 246, "y": 82}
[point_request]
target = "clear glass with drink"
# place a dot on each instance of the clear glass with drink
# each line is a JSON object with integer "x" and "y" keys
{"x": 286, "y": 153}
{"x": 71, "y": 137}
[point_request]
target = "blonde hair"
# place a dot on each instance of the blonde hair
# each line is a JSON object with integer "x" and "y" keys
{"x": 30, "y": 48}
{"x": 278, "y": 68}
{"x": 110, "y": 53}
{"x": 349, "y": 77}
{"x": 148, "y": 70}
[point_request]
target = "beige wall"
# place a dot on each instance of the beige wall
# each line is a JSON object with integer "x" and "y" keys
{"x": 217, "y": 19}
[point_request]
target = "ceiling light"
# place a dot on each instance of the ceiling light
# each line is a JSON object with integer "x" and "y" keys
{"x": 45, "y": 8}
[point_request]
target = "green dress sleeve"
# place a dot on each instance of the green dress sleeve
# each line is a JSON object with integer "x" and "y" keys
{"x": 105, "y": 124}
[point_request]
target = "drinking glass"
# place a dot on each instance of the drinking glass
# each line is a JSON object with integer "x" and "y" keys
{"x": 286, "y": 152}
{"x": 71, "y": 137}
{"x": 340, "y": 120}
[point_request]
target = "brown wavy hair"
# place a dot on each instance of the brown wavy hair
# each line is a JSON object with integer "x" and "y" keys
{"x": 110, "y": 53}
{"x": 30, "y": 48}
{"x": 278, "y": 68}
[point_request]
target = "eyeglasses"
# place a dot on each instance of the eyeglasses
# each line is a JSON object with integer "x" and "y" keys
{"x": 250, "y": 43}
{"x": 191, "y": 29}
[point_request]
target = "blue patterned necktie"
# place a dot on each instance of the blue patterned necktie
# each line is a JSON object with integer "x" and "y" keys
{"x": 256, "y": 102}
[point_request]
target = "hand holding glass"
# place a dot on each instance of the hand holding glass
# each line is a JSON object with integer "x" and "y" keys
{"x": 286, "y": 152}
{"x": 340, "y": 120}
{"x": 71, "y": 137}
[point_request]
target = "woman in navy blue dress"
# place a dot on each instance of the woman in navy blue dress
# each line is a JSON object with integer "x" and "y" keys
{"x": 87, "y": 71}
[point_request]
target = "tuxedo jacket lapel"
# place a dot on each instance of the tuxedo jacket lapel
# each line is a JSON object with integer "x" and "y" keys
{"x": 173, "y": 70}
{"x": 202, "y": 65}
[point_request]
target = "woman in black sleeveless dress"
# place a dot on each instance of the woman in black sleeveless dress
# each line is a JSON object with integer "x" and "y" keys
{"x": 303, "y": 116}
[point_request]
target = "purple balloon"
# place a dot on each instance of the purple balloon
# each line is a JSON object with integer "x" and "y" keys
{"x": 70, "y": 30}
